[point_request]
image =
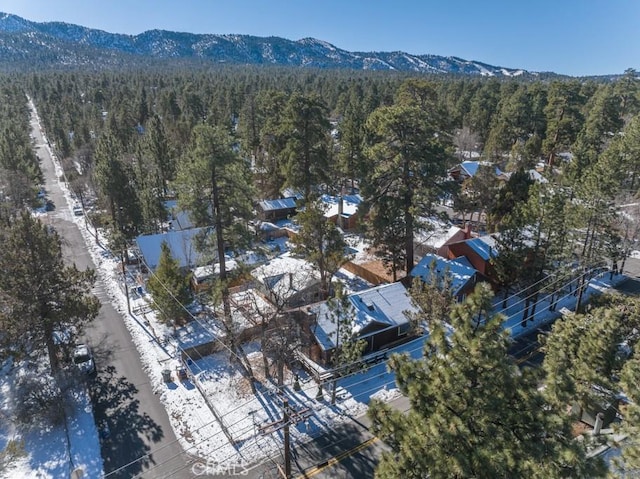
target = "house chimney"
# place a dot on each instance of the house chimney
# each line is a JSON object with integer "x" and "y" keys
{"x": 467, "y": 230}
{"x": 597, "y": 427}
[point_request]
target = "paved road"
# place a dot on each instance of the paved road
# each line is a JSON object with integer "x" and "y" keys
{"x": 138, "y": 423}
{"x": 347, "y": 451}
{"x": 351, "y": 451}
{"x": 632, "y": 270}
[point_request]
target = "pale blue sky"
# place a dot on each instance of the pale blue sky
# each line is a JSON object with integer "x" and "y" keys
{"x": 574, "y": 37}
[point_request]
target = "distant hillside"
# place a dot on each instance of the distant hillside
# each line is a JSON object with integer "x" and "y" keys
{"x": 27, "y": 45}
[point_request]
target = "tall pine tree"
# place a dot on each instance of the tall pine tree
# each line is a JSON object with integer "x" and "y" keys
{"x": 169, "y": 288}
{"x": 473, "y": 412}
{"x": 40, "y": 296}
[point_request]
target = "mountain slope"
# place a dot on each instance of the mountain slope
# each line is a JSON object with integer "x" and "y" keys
{"x": 25, "y": 44}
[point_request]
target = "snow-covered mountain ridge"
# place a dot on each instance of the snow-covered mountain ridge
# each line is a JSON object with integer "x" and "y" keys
{"x": 23, "y": 42}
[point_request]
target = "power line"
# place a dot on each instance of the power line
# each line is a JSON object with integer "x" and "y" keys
{"x": 279, "y": 387}
{"x": 362, "y": 393}
{"x": 191, "y": 315}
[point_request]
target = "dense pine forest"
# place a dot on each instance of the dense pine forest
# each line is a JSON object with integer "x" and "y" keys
{"x": 126, "y": 135}
{"x": 558, "y": 161}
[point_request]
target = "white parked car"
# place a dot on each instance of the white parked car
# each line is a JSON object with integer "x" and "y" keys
{"x": 83, "y": 359}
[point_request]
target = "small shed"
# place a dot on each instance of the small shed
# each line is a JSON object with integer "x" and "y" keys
{"x": 342, "y": 210}
{"x": 273, "y": 210}
{"x": 201, "y": 276}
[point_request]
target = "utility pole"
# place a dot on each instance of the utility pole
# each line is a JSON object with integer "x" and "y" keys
{"x": 289, "y": 416}
{"x": 124, "y": 279}
{"x": 287, "y": 443}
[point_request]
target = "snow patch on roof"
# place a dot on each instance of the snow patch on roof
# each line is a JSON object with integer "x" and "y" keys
{"x": 331, "y": 204}
{"x": 181, "y": 244}
{"x": 437, "y": 234}
{"x": 459, "y": 270}
{"x": 286, "y": 275}
{"x": 484, "y": 246}
{"x": 279, "y": 204}
{"x": 385, "y": 305}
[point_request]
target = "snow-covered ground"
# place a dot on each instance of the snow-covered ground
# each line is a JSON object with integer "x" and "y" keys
{"x": 200, "y": 423}
{"x": 227, "y": 424}
{"x": 230, "y": 405}
{"x": 213, "y": 411}
{"x": 566, "y": 301}
{"x": 51, "y": 451}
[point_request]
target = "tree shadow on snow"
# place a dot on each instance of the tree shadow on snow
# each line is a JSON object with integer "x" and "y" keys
{"x": 123, "y": 428}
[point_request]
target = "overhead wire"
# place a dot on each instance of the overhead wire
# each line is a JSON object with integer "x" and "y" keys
{"x": 181, "y": 350}
{"x": 359, "y": 371}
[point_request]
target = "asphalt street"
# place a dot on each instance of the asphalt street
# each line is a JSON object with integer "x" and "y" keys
{"x": 351, "y": 451}
{"x": 347, "y": 451}
{"x": 136, "y": 437}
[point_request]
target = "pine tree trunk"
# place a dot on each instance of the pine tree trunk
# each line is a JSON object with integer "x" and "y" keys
{"x": 408, "y": 218}
{"x": 280, "y": 371}
{"x": 226, "y": 304}
{"x": 580, "y": 291}
{"x": 265, "y": 359}
{"x": 51, "y": 349}
{"x": 525, "y": 313}
{"x": 533, "y": 307}
{"x": 556, "y": 137}
{"x": 587, "y": 236}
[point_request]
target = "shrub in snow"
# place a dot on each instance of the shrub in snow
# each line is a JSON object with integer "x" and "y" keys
{"x": 38, "y": 398}
{"x": 12, "y": 451}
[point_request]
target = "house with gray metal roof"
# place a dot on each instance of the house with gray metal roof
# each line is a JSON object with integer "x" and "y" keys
{"x": 379, "y": 316}
{"x": 182, "y": 244}
{"x": 462, "y": 277}
{"x": 273, "y": 210}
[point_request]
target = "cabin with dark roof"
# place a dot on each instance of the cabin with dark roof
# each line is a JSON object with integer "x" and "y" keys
{"x": 274, "y": 210}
